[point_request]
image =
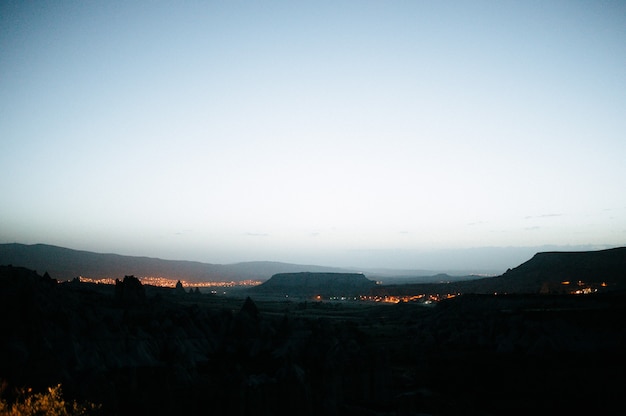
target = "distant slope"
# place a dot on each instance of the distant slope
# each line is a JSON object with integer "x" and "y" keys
{"x": 65, "y": 264}
{"x": 593, "y": 267}
{"x": 543, "y": 272}
{"x": 312, "y": 284}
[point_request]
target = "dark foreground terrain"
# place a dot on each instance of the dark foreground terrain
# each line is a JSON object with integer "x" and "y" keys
{"x": 144, "y": 350}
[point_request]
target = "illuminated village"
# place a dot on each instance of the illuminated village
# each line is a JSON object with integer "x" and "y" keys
{"x": 167, "y": 282}
{"x": 578, "y": 287}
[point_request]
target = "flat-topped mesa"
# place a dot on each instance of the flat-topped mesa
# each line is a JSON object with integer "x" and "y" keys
{"x": 316, "y": 284}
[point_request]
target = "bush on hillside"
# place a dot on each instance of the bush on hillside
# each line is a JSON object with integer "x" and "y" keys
{"x": 50, "y": 403}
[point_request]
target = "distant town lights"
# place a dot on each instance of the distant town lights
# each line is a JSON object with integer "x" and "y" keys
{"x": 168, "y": 282}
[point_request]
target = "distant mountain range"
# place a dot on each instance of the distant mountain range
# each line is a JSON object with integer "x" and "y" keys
{"x": 545, "y": 271}
{"x": 66, "y": 264}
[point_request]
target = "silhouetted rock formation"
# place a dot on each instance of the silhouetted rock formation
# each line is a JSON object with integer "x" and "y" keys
{"x": 312, "y": 284}
{"x": 130, "y": 291}
{"x": 250, "y": 309}
{"x": 180, "y": 290}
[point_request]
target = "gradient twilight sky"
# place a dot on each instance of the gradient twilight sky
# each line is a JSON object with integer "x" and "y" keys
{"x": 327, "y": 132}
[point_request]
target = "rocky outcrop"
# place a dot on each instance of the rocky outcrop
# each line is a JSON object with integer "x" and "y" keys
{"x": 130, "y": 291}
{"x": 180, "y": 290}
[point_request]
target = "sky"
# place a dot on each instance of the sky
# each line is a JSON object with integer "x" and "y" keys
{"x": 345, "y": 133}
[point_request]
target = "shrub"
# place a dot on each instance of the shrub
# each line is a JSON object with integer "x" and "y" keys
{"x": 44, "y": 404}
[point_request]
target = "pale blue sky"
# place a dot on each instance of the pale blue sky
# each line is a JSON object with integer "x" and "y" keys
{"x": 311, "y": 131}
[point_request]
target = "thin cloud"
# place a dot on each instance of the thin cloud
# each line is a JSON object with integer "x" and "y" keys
{"x": 530, "y": 217}
{"x": 257, "y": 234}
{"x": 471, "y": 224}
{"x": 182, "y": 232}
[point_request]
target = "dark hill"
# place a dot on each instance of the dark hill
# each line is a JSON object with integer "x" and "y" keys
{"x": 65, "y": 264}
{"x": 313, "y": 284}
{"x": 544, "y": 272}
{"x": 553, "y": 268}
